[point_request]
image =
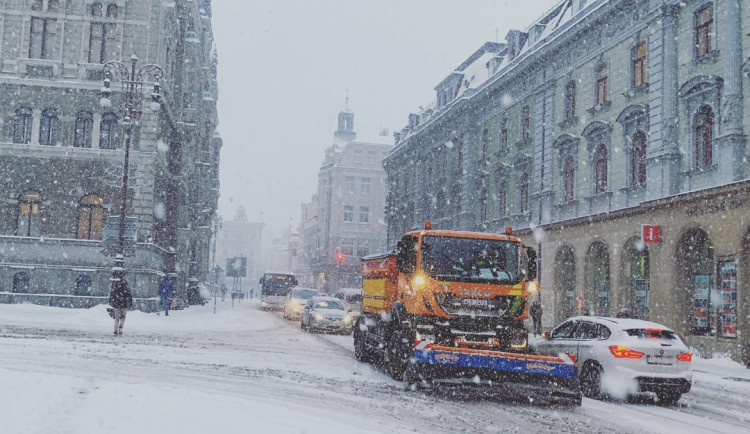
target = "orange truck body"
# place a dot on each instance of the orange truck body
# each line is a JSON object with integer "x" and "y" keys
{"x": 383, "y": 284}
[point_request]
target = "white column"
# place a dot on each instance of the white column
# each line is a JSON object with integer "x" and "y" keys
{"x": 35, "y": 124}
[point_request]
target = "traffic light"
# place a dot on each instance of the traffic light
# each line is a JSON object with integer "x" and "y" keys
{"x": 340, "y": 258}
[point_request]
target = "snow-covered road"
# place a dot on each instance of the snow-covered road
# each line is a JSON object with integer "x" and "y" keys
{"x": 247, "y": 371}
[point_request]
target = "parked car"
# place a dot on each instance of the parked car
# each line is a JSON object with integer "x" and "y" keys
{"x": 622, "y": 357}
{"x": 296, "y": 300}
{"x": 326, "y": 314}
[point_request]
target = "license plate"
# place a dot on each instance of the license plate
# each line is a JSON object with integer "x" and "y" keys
{"x": 659, "y": 360}
{"x": 474, "y": 302}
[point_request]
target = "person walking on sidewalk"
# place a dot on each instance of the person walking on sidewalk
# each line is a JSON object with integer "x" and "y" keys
{"x": 536, "y": 316}
{"x": 166, "y": 292}
{"x": 120, "y": 299}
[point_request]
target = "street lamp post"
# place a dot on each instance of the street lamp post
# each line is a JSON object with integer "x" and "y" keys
{"x": 131, "y": 80}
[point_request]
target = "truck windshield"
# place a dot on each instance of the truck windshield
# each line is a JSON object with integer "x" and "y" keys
{"x": 471, "y": 260}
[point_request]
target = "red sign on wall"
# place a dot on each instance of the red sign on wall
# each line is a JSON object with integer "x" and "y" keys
{"x": 650, "y": 234}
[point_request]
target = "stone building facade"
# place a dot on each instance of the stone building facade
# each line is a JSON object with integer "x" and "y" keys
{"x": 348, "y": 222}
{"x": 240, "y": 237}
{"x": 61, "y": 154}
{"x": 600, "y": 117}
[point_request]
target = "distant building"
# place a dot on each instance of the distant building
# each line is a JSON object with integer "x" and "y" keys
{"x": 344, "y": 220}
{"x": 240, "y": 238}
{"x": 61, "y": 154}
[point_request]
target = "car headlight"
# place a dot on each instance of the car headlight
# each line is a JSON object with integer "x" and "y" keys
{"x": 318, "y": 317}
{"x": 347, "y": 319}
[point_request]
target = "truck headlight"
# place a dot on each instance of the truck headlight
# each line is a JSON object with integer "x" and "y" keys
{"x": 533, "y": 286}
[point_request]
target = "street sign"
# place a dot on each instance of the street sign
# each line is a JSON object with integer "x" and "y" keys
{"x": 650, "y": 234}
{"x": 236, "y": 267}
{"x": 111, "y": 234}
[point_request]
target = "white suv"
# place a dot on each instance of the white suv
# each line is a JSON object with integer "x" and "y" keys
{"x": 621, "y": 357}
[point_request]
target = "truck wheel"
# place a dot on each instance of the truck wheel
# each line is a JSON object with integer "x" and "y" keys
{"x": 360, "y": 347}
{"x": 591, "y": 381}
{"x": 399, "y": 343}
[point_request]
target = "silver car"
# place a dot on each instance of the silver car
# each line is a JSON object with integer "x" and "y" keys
{"x": 622, "y": 357}
{"x": 296, "y": 300}
{"x": 326, "y": 314}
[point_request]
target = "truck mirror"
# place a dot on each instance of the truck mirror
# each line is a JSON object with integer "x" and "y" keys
{"x": 532, "y": 266}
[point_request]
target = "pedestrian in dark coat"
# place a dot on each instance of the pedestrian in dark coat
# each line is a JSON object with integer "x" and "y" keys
{"x": 536, "y": 316}
{"x": 166, "y": 293}
{"x": 121, "y": 300}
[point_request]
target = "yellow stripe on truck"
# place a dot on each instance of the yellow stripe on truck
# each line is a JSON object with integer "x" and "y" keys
{"x": 373, "y": 293}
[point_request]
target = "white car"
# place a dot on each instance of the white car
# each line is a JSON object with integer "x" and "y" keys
{"x": 296, "y": 300}
{"x": 326, "y": 314}
{"x": 621, "y": 357}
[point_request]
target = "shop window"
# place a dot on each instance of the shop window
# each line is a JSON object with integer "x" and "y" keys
{"x": 696, "y": 268}
{"x": 703, "y": 146}
{"x": 704, "y": 22}
{"x": 597, "y": 279}
{"x": 29, "y": 219}
{"x": 21, "y": 282}
{"x": 726, "y": 310}
{"x": 90, "y": 217}
{"x": 565, "y": 280}
{"x": 637, "y": 277}
{"x": 639, "y": 64}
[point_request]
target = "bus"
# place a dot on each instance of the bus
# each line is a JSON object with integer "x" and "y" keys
{"x": 274, "y": 288}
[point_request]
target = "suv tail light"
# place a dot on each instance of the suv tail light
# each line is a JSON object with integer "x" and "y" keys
{"x": 685, "y": 357}
{"x": 620, "y": 351}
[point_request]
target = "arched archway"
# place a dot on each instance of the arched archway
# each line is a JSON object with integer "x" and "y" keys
{"x": 565, "y": 282}
{"x": 597, "y": 286}
{"x": 695, "y": 282}
{"x": 636, "y": 278}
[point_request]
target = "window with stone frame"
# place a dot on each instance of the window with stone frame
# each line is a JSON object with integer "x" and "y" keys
{"x": 638, "y": 160}
{"x": 570, "y": 100}
{"x": 109, "y": 131}
{"x": 459, "y": 157}
{"x": 503, "y": 134}
{"x": 703, "y": 28}
{"x": 364, "y": 214}
{"x": 348, "y": 213}
{"x": 364, "y": 185}
{"x": 90, "y": 218}
{"x": 523, "y": 192}
{"x": 602, "y": 86}
{"x": 638, "y": 57}
{"x": 49, "y": 127}
{"x": 483, "y": 202}
{"x": 703, "y": 140}
{"x": 83, "y": 129}
{"x": 103, "y": 35}
{"x": 569, "y": 179}
{"x": 29, "y": 222}
{"x": 485, "y": 145}
{"x": 502, "y": 195}
{"x": 525, "y": 123}
{"x": 600, "y": 169}
{"x": 42, "y": 38}
{"x": 349, "y": 185}
{"x": 22, "y": 125}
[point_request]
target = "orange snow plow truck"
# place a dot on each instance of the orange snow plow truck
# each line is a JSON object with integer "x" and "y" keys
{"x": 448, "y": 306}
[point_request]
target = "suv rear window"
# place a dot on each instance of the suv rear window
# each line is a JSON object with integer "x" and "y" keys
{"x": 668, "y": 335}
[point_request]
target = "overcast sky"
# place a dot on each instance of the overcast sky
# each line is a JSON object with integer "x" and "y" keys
{"x": 285, "y": 65}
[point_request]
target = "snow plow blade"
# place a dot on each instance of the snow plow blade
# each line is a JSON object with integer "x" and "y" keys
{"x": 542, "y": 378}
